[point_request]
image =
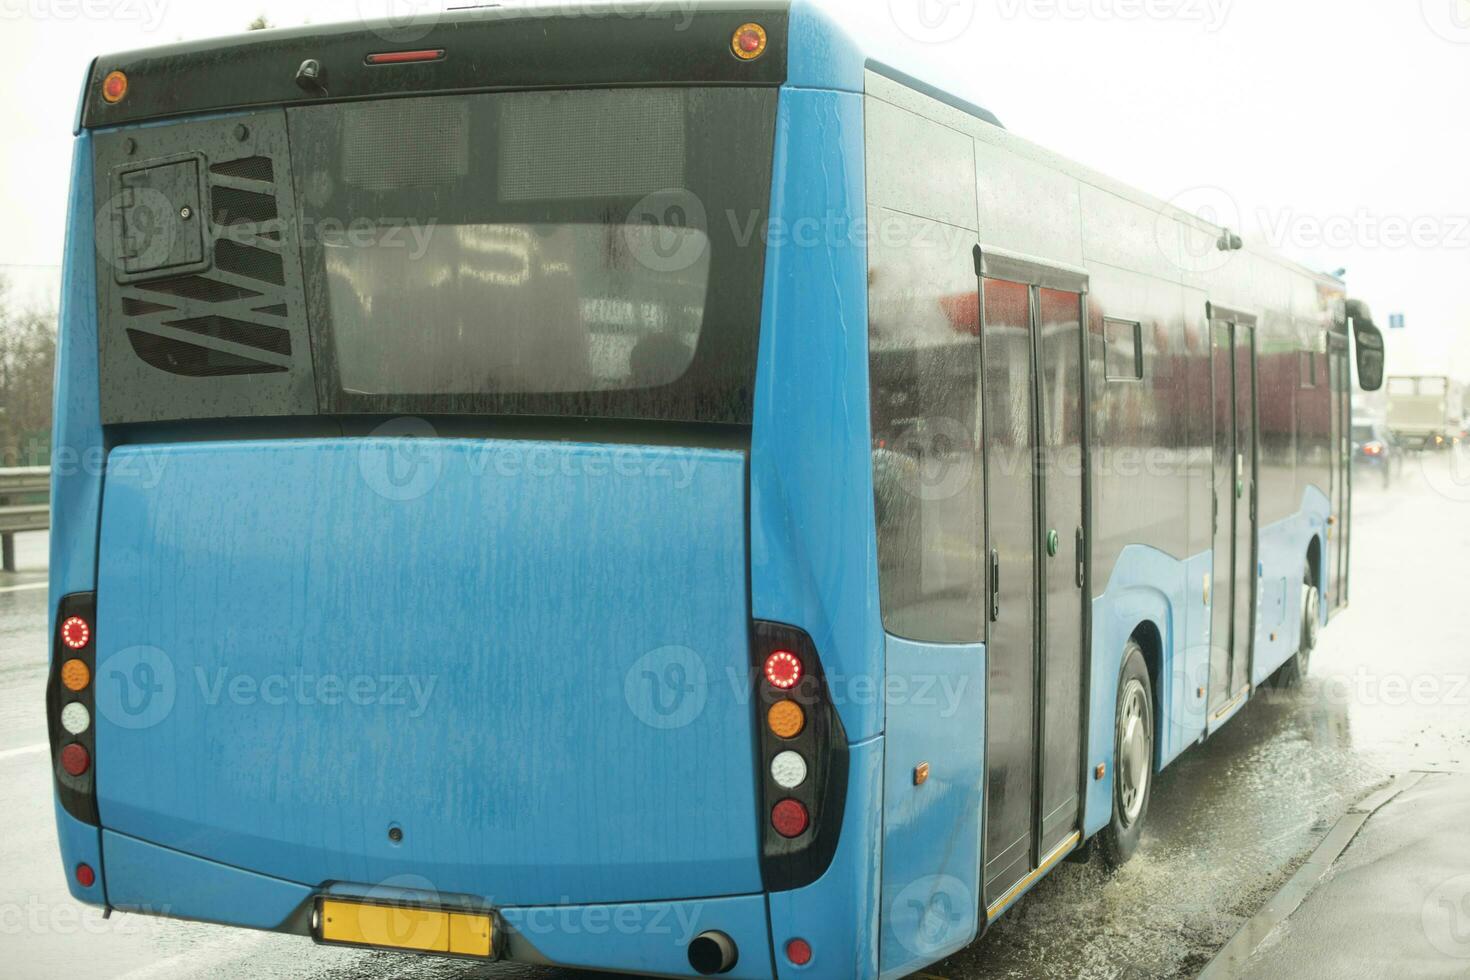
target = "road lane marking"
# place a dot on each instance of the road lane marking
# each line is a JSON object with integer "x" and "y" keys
{"x": 9, "y": 754}
{"x": 30, "y": 586}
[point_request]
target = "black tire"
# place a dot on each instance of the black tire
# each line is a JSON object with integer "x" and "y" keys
{"x": 1295, "y": 670}
{"x": 1134, "y": 735}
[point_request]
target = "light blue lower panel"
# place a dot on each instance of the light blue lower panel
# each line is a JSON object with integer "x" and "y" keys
{"x": 1147, "y": 586}
{"x": 931, "y": 832}
{"x": 1283, "y": 555}
{"x": 838, "y": 913}
{"x": 81, "y": 843}
{"x": 643, "y": 938}
{"x": 143, "y": 877}
{"x": 1150, "y": 586}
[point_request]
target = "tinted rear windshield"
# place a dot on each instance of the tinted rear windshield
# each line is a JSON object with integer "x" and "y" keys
{"x": 593, "y": 253}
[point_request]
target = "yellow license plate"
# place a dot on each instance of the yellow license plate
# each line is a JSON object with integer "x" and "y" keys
{"x": 422, "y": 930}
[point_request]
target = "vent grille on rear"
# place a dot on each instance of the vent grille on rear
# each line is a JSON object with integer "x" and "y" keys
{"x": 218, "y": 323}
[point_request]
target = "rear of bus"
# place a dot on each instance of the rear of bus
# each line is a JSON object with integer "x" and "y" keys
{"x": 450, "y": 482}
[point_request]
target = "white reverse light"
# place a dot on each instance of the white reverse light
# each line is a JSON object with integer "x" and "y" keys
{"x": 75, "y": 718}
{"x": 788, "y": 770}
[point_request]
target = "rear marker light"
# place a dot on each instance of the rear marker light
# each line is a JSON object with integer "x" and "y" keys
{"x": 114, "y": 87}
{"x": 75, "y": 718}
{"x": 788, "y": 769}
{"x": 86, "y": 877}
{"x": 783, "y": 670}
{"x": 790, "y": 818}
{"x": 75, "y": 632}
{"x": 76, "y": 675}
{"x": 799, "y": 952}
{"x": 749, "y": 42}
{"x": 75, "y": 760}
{"x": 786, "y": 719}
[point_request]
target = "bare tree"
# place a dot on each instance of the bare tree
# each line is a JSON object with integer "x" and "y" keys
{"x": 27, "y": 371}
{"x": 260, "y": 24}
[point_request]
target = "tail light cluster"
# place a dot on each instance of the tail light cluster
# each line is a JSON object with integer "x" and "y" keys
{"x": 71, "y": 707}
{"x": 803, "y": 759}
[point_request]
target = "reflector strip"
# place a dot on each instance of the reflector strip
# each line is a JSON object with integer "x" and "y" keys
{"x": 405, "y": 57}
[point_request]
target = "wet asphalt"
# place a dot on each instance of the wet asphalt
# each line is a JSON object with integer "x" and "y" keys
{"x": 1229, "y": 822}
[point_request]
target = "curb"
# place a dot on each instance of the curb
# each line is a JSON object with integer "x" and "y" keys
{"x": 1232, "y": 958}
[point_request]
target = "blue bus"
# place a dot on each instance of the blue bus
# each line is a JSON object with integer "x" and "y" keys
{"x": 668, "y": 493}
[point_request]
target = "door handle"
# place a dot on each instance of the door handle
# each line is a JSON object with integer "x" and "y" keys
{"x": 1081, "y": 559}
{"x": 994, "y": 585}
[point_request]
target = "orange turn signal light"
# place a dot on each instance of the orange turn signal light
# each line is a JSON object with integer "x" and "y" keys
{"x": 114, "y": 87}
{"x": 749, "y": 42}
{"x": 76, "y": 675}
{"x": 786, "y": 719}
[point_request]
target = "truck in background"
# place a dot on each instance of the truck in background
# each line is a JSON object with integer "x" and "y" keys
{"x": 1425, "y": 411}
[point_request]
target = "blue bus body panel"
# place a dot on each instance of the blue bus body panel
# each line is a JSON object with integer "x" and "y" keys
{"x": 146, "y": 878}
{"x": 931, "y": 832}
{"x": 76, "y": 465}
{"x": 838, "y": 914}
{"x": 1150, "y": 586}
{"x": 531, "y": 658}
{"x": 1283, "y": 558}
{"x": 814, "y": 561}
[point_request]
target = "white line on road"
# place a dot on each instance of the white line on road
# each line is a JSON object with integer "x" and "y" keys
{"x": 9, "y": 754}
{"x": 29, "y": 587}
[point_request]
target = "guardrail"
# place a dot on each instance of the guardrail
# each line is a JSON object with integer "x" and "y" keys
{"x": 22, "y": 481}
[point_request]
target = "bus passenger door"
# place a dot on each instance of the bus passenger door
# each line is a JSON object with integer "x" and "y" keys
{"x": 1222, "y": 574}
{"x": 1233, "y": 592}
{"x": 1034, "y": 404}
{"x": 1342, "y": 465}
{"x": 1010, "y": 486}
{"x": 1246, "y": 576}
{"x": 1061, "y": 384}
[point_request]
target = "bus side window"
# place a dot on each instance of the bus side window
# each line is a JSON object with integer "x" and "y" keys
{"x": 924, "y": 353}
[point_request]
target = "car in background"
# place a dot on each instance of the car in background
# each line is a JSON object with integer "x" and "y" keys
{"x": 1375, "y": 450}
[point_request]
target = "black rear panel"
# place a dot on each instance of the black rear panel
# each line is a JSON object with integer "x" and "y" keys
{"x": 484, "y": 50}
{"x": 200, "y": 296}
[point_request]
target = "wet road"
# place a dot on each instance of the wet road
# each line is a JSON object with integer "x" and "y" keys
{"x": 1230, "y": 821}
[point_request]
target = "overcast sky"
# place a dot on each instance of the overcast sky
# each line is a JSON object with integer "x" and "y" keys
{"x": 1336, "y": 130}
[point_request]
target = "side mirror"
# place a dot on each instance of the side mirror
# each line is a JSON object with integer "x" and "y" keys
{"x": 1369, "y": 341}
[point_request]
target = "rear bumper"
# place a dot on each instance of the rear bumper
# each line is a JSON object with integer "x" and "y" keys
{"x": 643, "y": 937}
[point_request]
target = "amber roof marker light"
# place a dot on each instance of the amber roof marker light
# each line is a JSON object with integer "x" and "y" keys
{"x": 114, "y": 87}
{"x": 749, "y": 42}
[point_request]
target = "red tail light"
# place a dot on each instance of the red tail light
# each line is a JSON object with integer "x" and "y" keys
{"x": 75, "y": 760}
{"x": 790, "y": 818}
{"x": 76, "y": 632}
{"x": 799, "y": 952}
{"x": 405, "y": 57}
{"x": 86, "y": 877}
{"x": 783, "y": 670}
{"x": 1373, "y": 449}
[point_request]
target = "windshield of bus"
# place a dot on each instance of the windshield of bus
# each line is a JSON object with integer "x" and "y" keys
{"x": 586, "y": 252}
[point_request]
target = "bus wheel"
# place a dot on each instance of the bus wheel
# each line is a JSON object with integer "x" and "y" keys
{"x": 1133, "y": 754}
{"x": 1294, "y": 671}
